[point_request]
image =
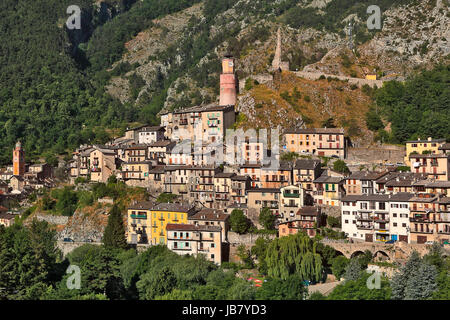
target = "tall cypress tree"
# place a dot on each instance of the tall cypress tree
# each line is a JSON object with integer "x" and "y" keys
{"x": 114, "y": 235}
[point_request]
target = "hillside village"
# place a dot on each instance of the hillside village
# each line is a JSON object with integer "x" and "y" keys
{"x": 213, "y": 171}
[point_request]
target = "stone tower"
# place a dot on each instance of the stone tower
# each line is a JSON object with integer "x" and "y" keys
{"x": 277, "y": 64}
{"x": 18, "y": 160}
{"x": 228, "y": 82}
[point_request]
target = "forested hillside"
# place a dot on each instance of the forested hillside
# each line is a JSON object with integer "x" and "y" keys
{"x": 55, "y": 84}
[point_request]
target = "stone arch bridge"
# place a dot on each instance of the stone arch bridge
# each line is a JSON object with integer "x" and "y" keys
{"x": 385, "y": 252}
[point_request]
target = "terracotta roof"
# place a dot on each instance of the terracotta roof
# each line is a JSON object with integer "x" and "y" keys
{"x": 366, "y": 175}
{"x": 317, "y": 130}
{"x": 308, "y": 211}
{"x": 265, "y": 190}
{"x": 426, "y": 141}
{"x": 162, "y": 143}
{"x": 305, "y": 164}
{"x": 209, "y": 214}
{"x": 224, "y": 175}
{"x": 143, "y": 205}
{"x": 192, "y": 227}
{"x": 175, "y": 207}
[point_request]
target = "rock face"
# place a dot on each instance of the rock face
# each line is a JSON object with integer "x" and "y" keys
{"x": 83, "y": 227}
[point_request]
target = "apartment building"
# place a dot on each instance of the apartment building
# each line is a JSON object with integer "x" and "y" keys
{"x": 239, "y": 186}
{"x": 136, "y": 173}
{"x": 133, "y": 153}
{"x": 195, "y": 239}
{"x": 212, "y": 217}
{"x": 305, "y": 171}
{"x": 222, "y": 189}
{"x": 362, "y": 182}
{"x": 139, "y": 222}
{"x": 177, "y": 180}
{"x": 150, "y": 134}
{"x": 436, "y": 166}
{"x": 291, "y": 200}
{"x": 307, "y": 219}
{"x": 432, "y": 186}
{"x": 328, "y": 190}
{"x": 201, "y": 188}
{"x": 399, "y": 216}
{"x": 321, "y": 141}
{"x": 181, "y": 154}
{"x": 102, "y": 163}
{"x": 418, "y": 146}
{"x": 157, "y": 151}
{"x": 424, "y": 215}
{"x": 205, "y": 123}
{"x": 163, "y": 214}
{"x": 254, "y": 171}
{"x": 258, "y": 198}
{"x": 277, "y": 177}
{"x": 376, "y": 217}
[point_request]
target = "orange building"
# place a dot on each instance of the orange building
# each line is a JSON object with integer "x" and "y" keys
{"x": 18, "y": 160}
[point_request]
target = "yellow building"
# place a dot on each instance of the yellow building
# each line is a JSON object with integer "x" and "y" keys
{"x": 139, "y": 222}
{"x": 165, "y": 213}
{"x": 371, "y": 77}
{"x": 418, "y": 146}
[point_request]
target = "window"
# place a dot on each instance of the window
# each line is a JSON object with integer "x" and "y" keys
{"x": 404, "y": 225}
{"x": 395, "y": 224}
{"x": 212, "y": 256}
{"x": 346, "y": 221}
{"x": 211, "y": 235}
{"x": 394, "y": 215}
{"x": 212, "y": 245}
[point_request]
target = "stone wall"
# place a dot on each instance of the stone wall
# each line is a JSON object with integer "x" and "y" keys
{"x": 391, "y": 154}
{"x": 60, "y": 220}
{"x": 359, "y": 82}
{"x": 247, "y": 239}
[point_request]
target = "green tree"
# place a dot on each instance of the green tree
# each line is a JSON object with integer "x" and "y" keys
{"x": 358, "y": 290}
{"x": 159, "y": 284}
{"x": 340, "y": 166}
{"x": 353, "y": 270}
{"x": 278, "y": 289}
{"x": 399, "y": 282}
{"x": 267, "y": 219}
{"x": 294, "y": 254}
{"x": 238, "y": 221}
{"x": 28, "y": 260}
{"x": 245, "y": 256}
{"x": 114, "y": 235}
{"x": 422, "y": 284}
{"x": 339, "y": 265}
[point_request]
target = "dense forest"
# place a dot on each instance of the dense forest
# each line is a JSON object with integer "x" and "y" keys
{"x": 417, "y": 108}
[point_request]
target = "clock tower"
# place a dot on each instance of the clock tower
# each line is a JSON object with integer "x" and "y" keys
{"x": 18, "y": 160}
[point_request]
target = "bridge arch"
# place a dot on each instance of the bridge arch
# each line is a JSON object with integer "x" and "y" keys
{"x": 381, "y": 255}
{"x": 356, "y": 253}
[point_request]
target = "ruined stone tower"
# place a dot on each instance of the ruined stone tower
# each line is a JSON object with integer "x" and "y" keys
{"x": 277, "y": 64}
{"x": 228, "y": 82}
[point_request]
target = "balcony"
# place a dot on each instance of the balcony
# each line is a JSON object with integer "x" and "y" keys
{"x": 381, "y": 219}
{"x": 383, "y": 229}
{"x": 291, "y": 205}
{"x": 138, "y": 216}
{"x": 364, "y": 227}
{"x": 95, "y": 169}
{"x": 291, "y": 195}
{"x": 364, "y": 218}
{"x": 424, "y": 231}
